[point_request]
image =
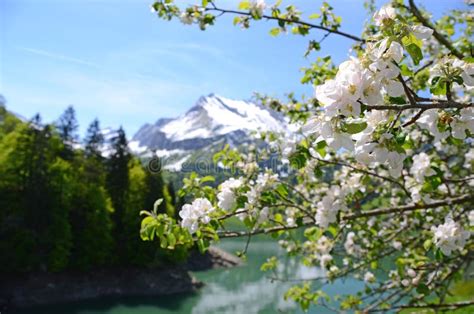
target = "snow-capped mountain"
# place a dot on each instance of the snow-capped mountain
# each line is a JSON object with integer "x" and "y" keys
{"x": 212, "y": 120}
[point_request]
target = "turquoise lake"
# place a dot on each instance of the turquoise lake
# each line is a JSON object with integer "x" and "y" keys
{"x": 244, "y": 289}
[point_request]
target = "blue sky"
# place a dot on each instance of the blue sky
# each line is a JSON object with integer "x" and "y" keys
{"x": 116, "y": 61}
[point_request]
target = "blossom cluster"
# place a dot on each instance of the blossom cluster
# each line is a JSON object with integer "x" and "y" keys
{"x": 196, "y": 212}
{"x": 227, "y": 194}
{"x": 329, "y": 206}
{"x": 257, "y": 7}
{"x": 367, "y": 144}
{"x": 252, "y": 206}
{"x": 362, "y": 81}
{"x": 450, "y": 236}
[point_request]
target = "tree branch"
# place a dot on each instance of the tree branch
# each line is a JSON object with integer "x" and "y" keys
{"x": 376, "y": 212}
{"x": 441, "y": 39}
{"x": 370, "y": 173}
{"x": 422, "y": 105}
{"x": 407, "y": 208}
{"x": 414, "y": 118}
{"x": 310, "y": 25}
{"x": 449, "y": 306}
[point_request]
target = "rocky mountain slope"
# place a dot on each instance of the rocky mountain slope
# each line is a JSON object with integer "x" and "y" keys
{"x": 210, "y": 124}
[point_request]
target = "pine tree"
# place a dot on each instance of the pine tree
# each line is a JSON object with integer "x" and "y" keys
{"x": 67, "y": 127}
{"x": 118, "y": 183}
{"x": 94, "y": 140}
{"x": 37, "y": 186}
{"x": 154, "y": 186}
{"x": 90, "y": 215}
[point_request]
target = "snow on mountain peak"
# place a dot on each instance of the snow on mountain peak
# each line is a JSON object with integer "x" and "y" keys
{"x": 215, "y": 115}
{"x": 211, "y": 123}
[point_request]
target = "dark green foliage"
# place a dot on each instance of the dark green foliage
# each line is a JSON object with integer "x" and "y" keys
{"x": 118, "y": 184}
{"x": 67, "y": 127}
{"x": 33, "y": 198}
{"x": 90, "y": 215}
{"x": 154, "y": 186}
{"x": 65, "y": 208}
{"x": 94, "y": 140}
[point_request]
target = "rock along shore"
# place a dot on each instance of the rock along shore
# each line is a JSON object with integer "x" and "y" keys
{"x": 49, "y": 288}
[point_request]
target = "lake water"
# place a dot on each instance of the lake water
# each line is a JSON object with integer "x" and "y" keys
{"x": 244, "y": 289}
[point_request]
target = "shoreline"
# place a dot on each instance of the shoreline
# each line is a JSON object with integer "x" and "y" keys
{"x": 39, "y": 289}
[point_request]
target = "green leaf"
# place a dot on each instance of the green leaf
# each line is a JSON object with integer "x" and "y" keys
{"x": 282, "y": 190}
{"x": 297, "y": 160}
{"x": 171, "y": 241}
{"x": 315, "y": 16}
{"x": 278, "y": 218}
{"x": 438, "y": 86}
{"x": 354, "y": 128}
{"x": 270, "y": 264}
{"x": 236, "y": 21}
{"x": 415, "y": 53}
{"x": 458, "y": 79}
{"x": 321, "y": 148}
{"x": 374, "y": 265}
{"x": 427, "y": 244}
{"x": 163, "y": 243}
{"x": 423, "y": 289}
{"x": 207, "y": 179}
{"x": 147, "y": 230}
{"x": 160, "y": 230}
{"x": 333, "y": 230}
{"x": 318, "y": 172}
{"x": 202, "y": 245}
{"x": 204, "y": 3}
{"x": 313, "y": 233}
{"x": 275, "y": 31}
{"x": 397, "y": 100}
{"x": 405, "y": 70}
{"x": 244, "y": 5}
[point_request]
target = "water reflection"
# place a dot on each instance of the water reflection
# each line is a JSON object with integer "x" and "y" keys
{"x": 243, "y": 289}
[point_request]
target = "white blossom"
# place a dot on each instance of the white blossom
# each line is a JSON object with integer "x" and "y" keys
{"x": 467, "y": 71}
{"x": 186, "y": 18}
{"x": 328, "y": 208}
{"x": 397, "y": 245}
{"x": 422, "y": 32}
{"x": 421, "y": 167}
{"x": 384, "y": 15}
{"x": 369, "y": 277}
{"x": 194, "y": 213}
{"x": 326, "y": 129}
{"x": 411, "y": 273}
{"x": 257, "y": 7}
{"x": 373, "y": 153}
{"x": 226, "y": 197}
{"x": 463, "y": 123}
{"x": 450, "y": 236}
{"x": 450, "y": 66}
{"x": 429, "y": 121}
{"x": 350, "y": 246}
{"x": 340, "y": 95}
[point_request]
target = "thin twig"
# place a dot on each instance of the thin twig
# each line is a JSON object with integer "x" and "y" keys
{"x": 441, "y": 39}
{"x": 422, "y": 105}
{"x": 354, "y": 216}
{"x": 407, "y": 208}
{"x": 309, "y": 25}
